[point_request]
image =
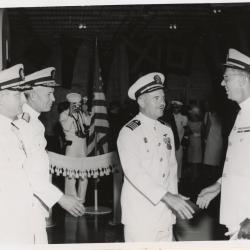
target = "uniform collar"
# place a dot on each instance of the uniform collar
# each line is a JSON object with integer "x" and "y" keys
{"x": 149, "y": 121}
{"x": 245, "y": 104}
{"x": 5, "y": 121}
{"x": 28, "y": 109}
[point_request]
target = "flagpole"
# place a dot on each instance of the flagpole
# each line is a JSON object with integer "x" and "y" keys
{"x": 97, "y": 85}
{"x": 96, "y": 181}
{"x": 96, "y": 209}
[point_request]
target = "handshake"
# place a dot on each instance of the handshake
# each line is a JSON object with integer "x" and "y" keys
{"x": 184, "y": 208}
{"x": 180, "y": 205}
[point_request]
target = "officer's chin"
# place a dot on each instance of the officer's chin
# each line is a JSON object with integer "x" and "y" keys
{"x": 161, "y": 112}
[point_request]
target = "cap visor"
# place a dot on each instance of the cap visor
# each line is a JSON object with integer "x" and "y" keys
{"x": 229, "y": 65}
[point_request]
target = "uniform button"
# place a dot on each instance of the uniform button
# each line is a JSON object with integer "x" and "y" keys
{"x": 229, "y": 144}
{"x": 148, "y": 151}
{"x": 161, "y": 159}
{"x": 154, "y": 128}
{"x": 159, "y": 144}
{"x": 226, "y": 159}
{"x": 234, "y": 128}
{"x": 241, "y": 139}
{"x": 163, "y": 175}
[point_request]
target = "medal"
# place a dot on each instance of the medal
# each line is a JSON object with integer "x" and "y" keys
{"x": 167, "y": 141}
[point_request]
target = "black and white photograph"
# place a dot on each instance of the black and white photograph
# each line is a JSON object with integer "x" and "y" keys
{"x": 125, "y": 123}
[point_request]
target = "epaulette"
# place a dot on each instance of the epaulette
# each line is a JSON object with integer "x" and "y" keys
{"x": 133, "y": 124}
{"x": 26, "y": 117}
{"x": 164, "y": 123}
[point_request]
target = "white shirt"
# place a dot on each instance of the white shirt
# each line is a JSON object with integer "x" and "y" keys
{"x": 235, "y": 182}
{"x": 147, "y": 153}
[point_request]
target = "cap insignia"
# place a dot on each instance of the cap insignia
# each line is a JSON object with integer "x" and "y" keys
{"x": 157, "y": 79}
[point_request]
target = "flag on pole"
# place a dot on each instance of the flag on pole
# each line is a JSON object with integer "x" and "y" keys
{"x": 99, "y": 125}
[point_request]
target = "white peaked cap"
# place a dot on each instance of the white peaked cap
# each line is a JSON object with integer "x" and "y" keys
{"x": 146, "y": 84}
{"x": 237, "y": 60}
{"x": 73, "y": 97}
{"x": 44, "y": 77}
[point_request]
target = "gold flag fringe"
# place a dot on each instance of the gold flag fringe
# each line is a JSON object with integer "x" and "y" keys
{"x": 94, "y": 166}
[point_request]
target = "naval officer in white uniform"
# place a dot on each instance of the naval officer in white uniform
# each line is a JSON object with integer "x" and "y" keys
{"x": 16, "y": 194}
{"x": 235, "y": 181}
{"x": 40, "y": 99}
{"x": 147, "y": 153}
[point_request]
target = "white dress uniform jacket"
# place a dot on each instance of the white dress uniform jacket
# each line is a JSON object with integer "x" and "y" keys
{"x": 37, "y": 164}
{"x": 147, "y": 153}
{"x": 16, "y": 196}
{"x": 235, "y": 182}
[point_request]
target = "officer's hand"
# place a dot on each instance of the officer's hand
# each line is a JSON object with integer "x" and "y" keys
{"x": 207, "y": 195}
{"x": 72, "y": 205}
{"x": 244, "y": 232}
{"x": 178, "y": 204}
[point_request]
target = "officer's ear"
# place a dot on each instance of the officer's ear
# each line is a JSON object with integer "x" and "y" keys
{"x": 246, "y": 79}
{"x": 32, "y": 94}
{"x": 141, "y": 101}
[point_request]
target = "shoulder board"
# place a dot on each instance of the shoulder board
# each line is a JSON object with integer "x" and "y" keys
{"x": 164, "y": 123}
{"x": 133, "y": 124}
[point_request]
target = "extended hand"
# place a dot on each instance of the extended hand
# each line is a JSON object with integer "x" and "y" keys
{"x": 178, "y": 204}
{"x": 208, "y": 194}
{"x": 244, "y": 232}
{"x": 72, "y": 205}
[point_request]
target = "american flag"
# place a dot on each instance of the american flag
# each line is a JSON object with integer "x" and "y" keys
{"x": 99, "y": 126}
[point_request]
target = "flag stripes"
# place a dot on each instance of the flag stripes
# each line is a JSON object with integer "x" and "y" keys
{"x": 99, "y": 126}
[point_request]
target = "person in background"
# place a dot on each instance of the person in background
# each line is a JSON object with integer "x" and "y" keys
{"x": 16, "y": 194}
{"x": 194, "y": 151}
{"x": 146, "y": 148}
{"x": 213, "y": 143}
{"x": 234, "y": 184}
{"x": 74, "y": 123}
{"x": 40, "y": 99}
{"x": 181, "y": 123}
